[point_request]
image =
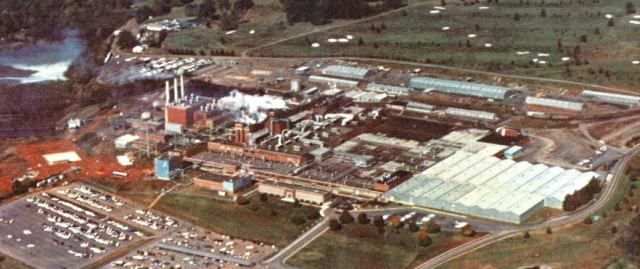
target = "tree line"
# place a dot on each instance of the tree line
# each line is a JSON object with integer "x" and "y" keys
{"x": 322, "y": 11}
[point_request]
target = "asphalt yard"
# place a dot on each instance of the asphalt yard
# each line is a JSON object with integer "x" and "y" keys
{"x": 75, "y": 226}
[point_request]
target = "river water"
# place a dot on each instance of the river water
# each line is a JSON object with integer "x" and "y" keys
{"x": 47, "y": 61}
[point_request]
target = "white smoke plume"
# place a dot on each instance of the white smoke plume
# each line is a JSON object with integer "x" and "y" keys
{"x": 250, "y": 108}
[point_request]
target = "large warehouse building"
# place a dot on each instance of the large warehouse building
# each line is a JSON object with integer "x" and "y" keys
{"x": 481, "y": 185}
{"x": 460, "y": 88}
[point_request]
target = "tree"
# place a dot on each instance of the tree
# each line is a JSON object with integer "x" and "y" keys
{"x": 378, "y": 221}
{"x": 468, "y": 231}
{"x": 243, "y": 5}
{"x": 587, "y": 221}
{"x": 413, "y": 227}
{"x": 596, "y": 31}
{"x": 263, "y": 196}
{"x": 363, "y": 219}
{"x": 516, "y": 17}
{"x": 313, "y": 215}
{"x": 614, "y": 229}
{"x": 629, "y": 8}
{"x": 126, "y": 40}
{"x": 583, "y": 38}
{"x": 346, "y": 218}
{"x": 298, "y": 220}
{"x": 630, "y": 238}
{"x": 423, "y": 239}
{"x": 527, "y": 235}
{"x": 334, "y": 225}
{"x": 549, "y": 231}
{"x": 207, "y": 9}
{"x": 241, "y": 200}
{"x": 431, "y": 227}
{"x": 543, "y": 13}
{"x": 394, "y": 221}
{"x": 610, "y": 23}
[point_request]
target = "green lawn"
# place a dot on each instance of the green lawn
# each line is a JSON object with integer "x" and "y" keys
{"x": 361, "y": 246}
{"x": 418, "y": 36}
{"x": 268, "y": 222}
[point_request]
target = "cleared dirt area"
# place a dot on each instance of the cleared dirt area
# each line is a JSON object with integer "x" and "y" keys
{"x": 557, "y": 146}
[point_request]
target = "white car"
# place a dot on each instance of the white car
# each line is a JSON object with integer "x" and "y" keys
{"x": 460, "y": 224}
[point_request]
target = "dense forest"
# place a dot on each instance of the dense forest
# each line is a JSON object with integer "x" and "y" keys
{"x": 322, "y": 11}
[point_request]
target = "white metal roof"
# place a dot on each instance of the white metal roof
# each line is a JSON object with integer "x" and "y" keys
{"x": 530, "y": 100}
{"x": 346, "y": 71}
{"x": 68, "y": 156}
{"x": 476, "y": 169}
{"x": 508, "y": 174}
{"x": 476, "y": 114}
{"x": 492, "y": 172}
{"x": 541, "y": 179}
{"x": 525, "y": 177}
{"x": 460, "y": 88}
{"x": 557, "y": 182}
{"x": 612, "y": 97}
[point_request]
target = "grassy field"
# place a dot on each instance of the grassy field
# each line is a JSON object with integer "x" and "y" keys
{"x": 578, "y": 246}
{"x": 268, "y": 222}
{"x": 141, "y": 191}
{"x": 7, "y": 262}
{"x": 360, "y": 246}
{"x": 418, "y": 35}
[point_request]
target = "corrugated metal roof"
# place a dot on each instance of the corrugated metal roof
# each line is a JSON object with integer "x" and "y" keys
{"x": 530, "y": 100}
{"x": 468, "y": 113}
{"x": 614, "y": 98}
{"x": 460, "y": 88}
{"x": 346, "y": 71}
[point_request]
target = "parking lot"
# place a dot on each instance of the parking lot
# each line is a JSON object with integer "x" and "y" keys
{"x": 74, "y": 226}
{"x": 194, "y": 247}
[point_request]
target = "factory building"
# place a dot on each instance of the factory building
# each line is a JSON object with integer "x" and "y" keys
{"x": 268, "y": 155}
{"x": 612, "y": 98}
{"x": 345, "y": 71}
{"x": 293, "y": 193}
{"x": 471, "y": 114}
{"x": 223, "y": 183}
{"x": 554, "y": 103}
{"x": 344, "y": 83}
{"x": 389, "y": 89}
{"x": 166, "y": 167}
{"x": 484, "y": 186}
{"x": 460, "y": 88}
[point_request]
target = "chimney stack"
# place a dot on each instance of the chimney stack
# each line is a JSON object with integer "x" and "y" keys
{"x": 182, "y": 86}
{"x": 175, "y": 90}
{"x": 167, "y": 93}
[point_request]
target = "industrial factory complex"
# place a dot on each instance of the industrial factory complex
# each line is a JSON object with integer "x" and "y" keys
{"x": 315, "y": 131}
{"x": 327, "y": 128}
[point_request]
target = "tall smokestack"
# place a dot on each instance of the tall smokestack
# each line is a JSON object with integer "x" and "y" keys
{"x": 182, "y": 86}
{"x": 167, "y": 93}
{"x": 175, "y": 89}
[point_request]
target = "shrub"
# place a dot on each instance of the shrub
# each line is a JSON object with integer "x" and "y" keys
{"x": 363, "y": 219}
{"x": 346, "y": 218}
{"x": 468, "y": 231}
{"x": 334, "y": 225}
{"x": 431, "y": 227}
